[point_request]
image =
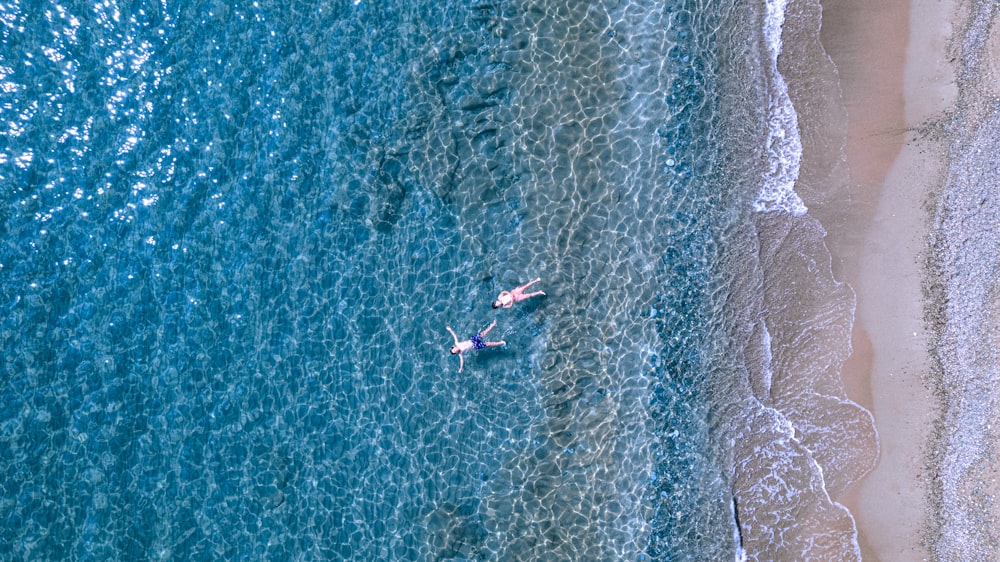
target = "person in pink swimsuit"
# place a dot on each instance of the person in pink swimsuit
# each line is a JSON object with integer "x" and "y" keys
{"x": 508, "y": 298}
{"x": 475, "y": 342}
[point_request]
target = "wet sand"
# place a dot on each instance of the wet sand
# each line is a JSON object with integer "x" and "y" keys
{"x": 895, "y": 79}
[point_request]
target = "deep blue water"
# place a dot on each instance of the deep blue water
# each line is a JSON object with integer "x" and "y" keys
{"x": 232, "y": 235}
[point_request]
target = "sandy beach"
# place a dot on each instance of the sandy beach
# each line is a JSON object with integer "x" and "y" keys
{"x": 898, "y": 85}
{"x": 891, "y": 504}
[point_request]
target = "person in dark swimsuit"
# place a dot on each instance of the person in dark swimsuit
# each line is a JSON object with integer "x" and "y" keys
{"x": 475, "y": 342}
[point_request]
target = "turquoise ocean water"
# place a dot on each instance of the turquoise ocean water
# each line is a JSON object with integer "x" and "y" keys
{"x": 232, "y": 236}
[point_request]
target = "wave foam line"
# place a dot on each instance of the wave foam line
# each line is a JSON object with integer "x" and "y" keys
{"x": 784, "y": 146}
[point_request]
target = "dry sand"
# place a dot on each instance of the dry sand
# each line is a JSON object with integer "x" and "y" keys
{"x": 892, "y": 61}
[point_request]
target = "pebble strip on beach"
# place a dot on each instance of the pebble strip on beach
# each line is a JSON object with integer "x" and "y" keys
{"x": 962, "y": 292}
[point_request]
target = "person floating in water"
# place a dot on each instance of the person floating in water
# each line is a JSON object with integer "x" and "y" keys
{"x": 508, "y": 298}
{"x": 475, "y": 342}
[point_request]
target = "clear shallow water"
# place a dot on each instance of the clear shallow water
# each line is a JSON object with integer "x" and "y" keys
{"x": 233, "y": 237}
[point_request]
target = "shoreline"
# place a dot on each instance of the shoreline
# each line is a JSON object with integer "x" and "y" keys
{"x": 894, "y": 77}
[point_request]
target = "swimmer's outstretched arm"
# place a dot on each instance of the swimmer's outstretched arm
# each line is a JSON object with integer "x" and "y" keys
{"x": 452, "y": 334}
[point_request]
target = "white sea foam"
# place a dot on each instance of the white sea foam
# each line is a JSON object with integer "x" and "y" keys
{"x": 768, "y": 356}
{"x": 784, "y": 146}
